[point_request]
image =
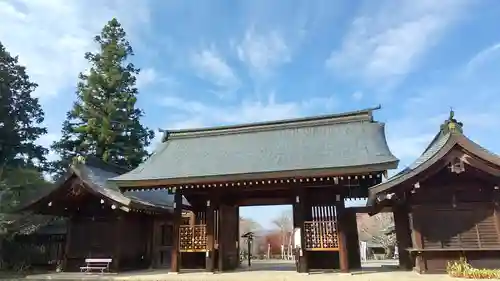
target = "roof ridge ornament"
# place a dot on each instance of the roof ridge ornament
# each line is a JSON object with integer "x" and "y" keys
{"x": 451, "y": 125}
{"x": 78, "y": 160}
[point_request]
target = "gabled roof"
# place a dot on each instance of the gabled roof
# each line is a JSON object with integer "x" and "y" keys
{"x": 351, "y": 139}
{"x": 94, "y": 175}
{"x": 449, "y": 137}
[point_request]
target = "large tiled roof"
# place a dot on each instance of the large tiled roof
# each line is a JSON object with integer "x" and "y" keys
{"x": 344, "y": 140}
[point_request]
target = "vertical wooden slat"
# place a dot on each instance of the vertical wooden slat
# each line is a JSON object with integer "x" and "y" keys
{"x": 175, "y": 262}
{"x": 496, "y": 216}
{"x": 222, "y": 236}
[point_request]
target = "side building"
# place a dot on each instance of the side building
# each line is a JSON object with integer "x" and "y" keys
{"x": 445, "y": 204}
{"x": 134, "y": 229}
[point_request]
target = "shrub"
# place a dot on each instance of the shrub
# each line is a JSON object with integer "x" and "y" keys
{"x": 463, "y": 269}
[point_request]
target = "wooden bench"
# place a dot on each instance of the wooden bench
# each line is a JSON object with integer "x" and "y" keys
{"x": 96, "y": 264}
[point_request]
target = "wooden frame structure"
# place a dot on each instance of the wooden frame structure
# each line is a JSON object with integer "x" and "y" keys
{"x": 446, "y": 204}
{"x": 130, "y": 228}
{"x": 311, "y": 163}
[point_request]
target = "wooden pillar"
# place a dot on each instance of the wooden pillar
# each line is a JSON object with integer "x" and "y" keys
{"x": 222, "y": 236}
{"x": 237, "y": 211}
{"x": 353, "y": 241}
{"x": 210, "y": 256}
{"x": 67, "y": 246}
{"x": 300, "y": 207}
{"x": 176, "y": 256}
{"x": 118, "y": 243}
{"x": 403, "y": 236}
{"x": 418, "y": 243}
{"x": 342, "y": 231}
{"x": 154, "y": 243}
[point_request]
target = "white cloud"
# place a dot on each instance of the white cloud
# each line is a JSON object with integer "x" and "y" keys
{"x": 473, "y": 92}
{"x": 262, "y": 52}
{"x": 389, "y": 41}
{"x": 482, "y": 57}
{"x": 46, "y": 141}
{"x": 146, "y": 77}
{"x": 357, "y": 96}
{"x": 51, "y": 36}
{"x": 211, "y": 66}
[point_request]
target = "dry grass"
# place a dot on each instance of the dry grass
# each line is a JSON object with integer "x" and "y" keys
{"x": 463, "y": 269}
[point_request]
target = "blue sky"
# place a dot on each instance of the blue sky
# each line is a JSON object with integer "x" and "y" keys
{"x": 223, "y": 62}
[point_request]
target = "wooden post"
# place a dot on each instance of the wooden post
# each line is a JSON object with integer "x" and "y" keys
{"x": 403, "y": 236}
{"x": 154, "y": 244}
{"x": 222, "y": 236}
{"x": 238, "y": 246}
{"x": 176, "y": 259}
{"x": 210, "y": 256}
{"x": 118, "y": 243}
{"x": 67, "y": 246}
{"x": 299, "y": 215}
{"x": 419, "y": 244}
{"x": 342, "y": 229}
{"x": 353, "y": 241}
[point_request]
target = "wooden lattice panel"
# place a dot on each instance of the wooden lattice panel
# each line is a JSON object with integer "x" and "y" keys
{"x": 321, "y": 235}
{"x": 192, "y": 238}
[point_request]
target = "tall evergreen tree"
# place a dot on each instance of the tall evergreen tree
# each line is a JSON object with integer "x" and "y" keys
{"x": 21, "y": 117}
{"x": 104, "y": 121}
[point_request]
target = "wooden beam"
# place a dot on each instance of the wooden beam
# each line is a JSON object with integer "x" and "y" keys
{"x": 251, "y": 180}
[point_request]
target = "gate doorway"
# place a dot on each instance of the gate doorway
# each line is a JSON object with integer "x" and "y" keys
{"x": 266, "y": 237}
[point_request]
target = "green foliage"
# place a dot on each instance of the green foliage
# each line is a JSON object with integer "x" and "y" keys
{"x": 19, "y": 186}
{"x": 104, "y": 121}
{"x": 21, "y": 116}
{"x": 462, "y": 268}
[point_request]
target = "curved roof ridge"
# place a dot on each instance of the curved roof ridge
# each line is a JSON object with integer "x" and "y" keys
{"x": 326, "y": 119}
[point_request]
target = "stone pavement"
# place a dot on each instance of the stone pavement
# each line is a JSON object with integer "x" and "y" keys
{"x": 260, "y": 271}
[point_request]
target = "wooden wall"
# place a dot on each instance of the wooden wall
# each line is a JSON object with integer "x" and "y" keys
{"x": 455, "y": 216}
{"x": 124, "y": 239}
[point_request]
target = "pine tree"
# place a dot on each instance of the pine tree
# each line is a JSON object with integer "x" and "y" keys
{"x": 104, "y": 121}
{"x": 21, "y": 117}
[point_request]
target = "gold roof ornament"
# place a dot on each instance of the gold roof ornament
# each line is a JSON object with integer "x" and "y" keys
{"x": 79, "y": 160}
{"x": 451, "y": 125}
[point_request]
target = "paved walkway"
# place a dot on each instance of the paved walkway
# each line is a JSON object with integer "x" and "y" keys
{"x": 260, "y": 271}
